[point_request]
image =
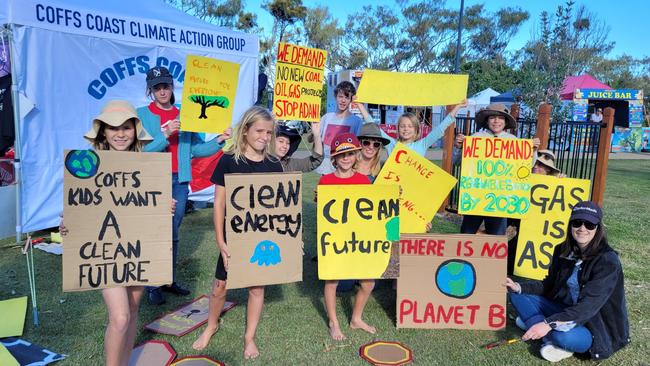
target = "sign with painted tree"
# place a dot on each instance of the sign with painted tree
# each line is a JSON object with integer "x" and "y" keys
{"x": 209, "y": 92}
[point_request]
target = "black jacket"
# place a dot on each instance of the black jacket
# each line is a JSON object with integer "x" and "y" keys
{"x": 601, "y": 305}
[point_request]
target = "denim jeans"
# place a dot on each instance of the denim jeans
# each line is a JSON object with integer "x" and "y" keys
{"x": 180, "y": 191}
{"x": 493, "y": 225}
{"x": 533, "y": 309}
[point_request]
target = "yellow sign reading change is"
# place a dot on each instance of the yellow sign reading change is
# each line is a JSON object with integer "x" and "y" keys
{"x": 551, "y": 202}
{"x": 358, "y": 232}
{"x": 494, "y": 177}
{"x": 298, "y": 82}
{"x": 415, "y": 174}
{"x": 209, "y": 92}
{"x": 414, "y": 89}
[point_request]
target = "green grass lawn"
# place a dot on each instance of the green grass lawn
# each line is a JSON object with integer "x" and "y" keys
{"x": 293, "y": 329}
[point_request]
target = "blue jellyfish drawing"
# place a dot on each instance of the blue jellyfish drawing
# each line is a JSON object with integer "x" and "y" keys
{"x": 266, "y": 253}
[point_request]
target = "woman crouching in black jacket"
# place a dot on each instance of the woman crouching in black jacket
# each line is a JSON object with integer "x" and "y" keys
{"x": 580, "y": 305}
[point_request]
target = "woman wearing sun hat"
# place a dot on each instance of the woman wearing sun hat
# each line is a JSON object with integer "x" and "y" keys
{"x": 372, "y": 144}
{"x": 580, "y": 306}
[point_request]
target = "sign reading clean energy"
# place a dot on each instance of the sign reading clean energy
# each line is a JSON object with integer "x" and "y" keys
{"x": 264, "y": 228}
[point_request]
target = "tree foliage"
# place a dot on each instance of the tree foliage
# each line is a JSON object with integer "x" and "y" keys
{"x": 224, "y": 13}
{"x": 567, "y": 43}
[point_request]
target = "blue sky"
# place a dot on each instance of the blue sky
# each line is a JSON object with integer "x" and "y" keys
{"x": 627, "y": 19}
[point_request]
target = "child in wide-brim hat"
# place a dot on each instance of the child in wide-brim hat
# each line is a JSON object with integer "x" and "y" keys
{"x": 115, "y": 114}
{"x": 492, "y": 121}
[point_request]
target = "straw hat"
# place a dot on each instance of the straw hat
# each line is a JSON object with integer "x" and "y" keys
{"x": 547, "y": 158}
{"x": 371, "y": 131}
{"x": 115, "y": 113}
{"x": 343, "y": 143}
{"x": 495, "y": 109}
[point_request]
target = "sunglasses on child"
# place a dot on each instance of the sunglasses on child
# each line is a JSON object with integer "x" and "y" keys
{"x": 375, "y": 144}
{"x": 578, "y": 223}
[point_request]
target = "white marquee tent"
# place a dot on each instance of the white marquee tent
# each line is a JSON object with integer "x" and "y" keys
{"x": 71, "y": 56}
{"x": 478, "y": 101}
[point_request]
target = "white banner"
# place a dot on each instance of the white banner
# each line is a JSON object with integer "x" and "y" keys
{"x": 69, "y": 77}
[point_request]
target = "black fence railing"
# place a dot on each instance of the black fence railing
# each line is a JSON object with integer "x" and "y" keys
{"x": 575, "y": 145}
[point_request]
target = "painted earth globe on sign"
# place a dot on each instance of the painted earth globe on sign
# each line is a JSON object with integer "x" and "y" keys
{"x": 82, "y": 163}
{"x": 456, "y": 278}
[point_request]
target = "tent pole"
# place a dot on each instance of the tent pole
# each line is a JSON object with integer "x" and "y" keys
{"x": 15, "y": 99}
{"x": 18, "y": 172}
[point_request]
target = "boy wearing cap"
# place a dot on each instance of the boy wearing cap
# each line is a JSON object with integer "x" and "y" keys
{"x": 160, "y": 119}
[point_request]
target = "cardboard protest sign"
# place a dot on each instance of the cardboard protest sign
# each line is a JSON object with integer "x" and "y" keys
{"x": 494, "y": 177}
{"x": 186, "y": 318}
{"x": 358, "y": 229}
{"x": 197, "y": 361}
{"x": 551, "y": 202}
{"x": 298, "y": 82}
{"x": 153, "y": 352}
{"x": 452, "y": 281}
{"x": 414, "y": 89}
{"x": 264, "y": 228}
{"x": 415, "y": 174}
{"x": 117, "y": 209}
{"x": 209, "y": 93}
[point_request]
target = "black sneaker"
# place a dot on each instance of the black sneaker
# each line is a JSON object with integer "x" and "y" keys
{"x": 155, "y": 296}
{"x": 176, "y": 289}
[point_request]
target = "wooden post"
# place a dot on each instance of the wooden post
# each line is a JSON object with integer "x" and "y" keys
{"x": 543, "y": 124}
{"x": 602, "y": 160}
{"x": 514, "y": 112}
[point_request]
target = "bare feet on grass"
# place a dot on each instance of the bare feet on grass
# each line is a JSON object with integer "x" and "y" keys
{"x": 250, "y": 349}
{"x": 204, "y": 339}
{"x": 335, "y": 332}
{"x": 360, "y": 324}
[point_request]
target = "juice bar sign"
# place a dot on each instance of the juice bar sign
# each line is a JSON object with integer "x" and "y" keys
{"x": 621, "y": 94}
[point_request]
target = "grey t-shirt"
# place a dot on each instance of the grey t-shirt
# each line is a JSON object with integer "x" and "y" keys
{"x": 330, "y": 127}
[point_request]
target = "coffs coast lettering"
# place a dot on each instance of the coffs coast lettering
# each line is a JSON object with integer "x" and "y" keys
{"x": 134, "y": 28}
{"x": 130, "y": 66}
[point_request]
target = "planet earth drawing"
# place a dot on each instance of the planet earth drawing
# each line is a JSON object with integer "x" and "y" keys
{"x": 82, "y": 163}
{"x": 456, "y": 278}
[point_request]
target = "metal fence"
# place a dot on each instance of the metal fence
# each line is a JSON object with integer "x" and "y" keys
{"x": 574, "y": 143}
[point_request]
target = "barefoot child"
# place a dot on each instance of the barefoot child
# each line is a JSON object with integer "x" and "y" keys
{"x": 248, "y": 154}
{"x": 344, "y": 151}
